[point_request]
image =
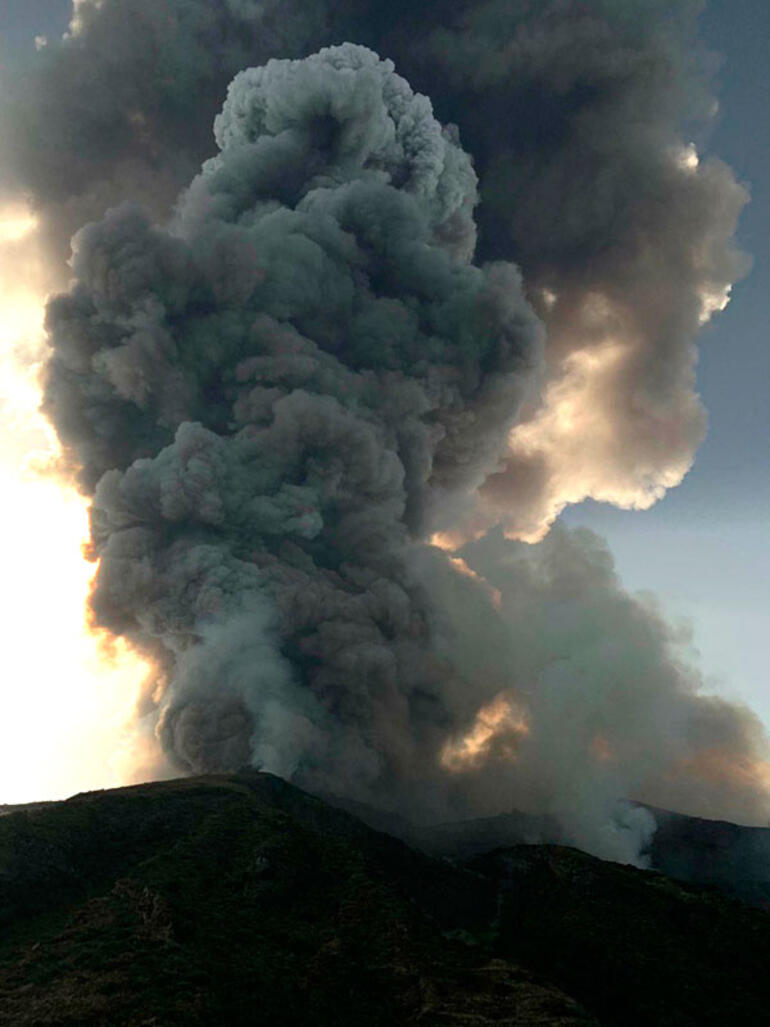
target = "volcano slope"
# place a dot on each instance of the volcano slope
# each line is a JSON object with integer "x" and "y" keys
{"x": 239, "y": 899}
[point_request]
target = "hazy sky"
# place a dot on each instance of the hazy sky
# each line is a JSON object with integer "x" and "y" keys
{"x": 703, "y": 550}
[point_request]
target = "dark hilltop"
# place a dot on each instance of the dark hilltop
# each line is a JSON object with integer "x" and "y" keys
{"x": 239, "y": 899}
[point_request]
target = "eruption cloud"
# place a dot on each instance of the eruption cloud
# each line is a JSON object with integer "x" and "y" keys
{"x": 280, "y": 389}
{"x": 574, "y": 115}
{"x": 270, "y": 398}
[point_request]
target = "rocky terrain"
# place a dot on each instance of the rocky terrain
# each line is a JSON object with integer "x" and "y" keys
{"x": 239, "y": 899}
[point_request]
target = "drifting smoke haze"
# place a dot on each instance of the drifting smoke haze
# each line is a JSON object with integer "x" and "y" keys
{"x": 357, "y": 331}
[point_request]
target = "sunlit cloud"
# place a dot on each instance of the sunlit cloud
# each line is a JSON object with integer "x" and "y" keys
{"x": 499, "y": 725}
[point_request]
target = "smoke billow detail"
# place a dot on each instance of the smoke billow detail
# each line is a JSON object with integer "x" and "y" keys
{"x": 580, "y": 119}
{"x": 284, "y": 388}
{"x": 269, "y": 398}
{"x": 575, "y": 114}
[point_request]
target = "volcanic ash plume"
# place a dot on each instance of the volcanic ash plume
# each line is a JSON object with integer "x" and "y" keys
{"x": 280, "y": 397}
{"x": 580, "y": 118}
{"x": 574, "y": 113}
{"x": 122, "y": 105}
{"x": 274, "y": 400}
{"x": 269, "y": 398}
{"x": 596, "y": 698}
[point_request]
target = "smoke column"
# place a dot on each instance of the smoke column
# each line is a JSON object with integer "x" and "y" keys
{"x": 324, "y": 358}
{"x": 269, "y": 398}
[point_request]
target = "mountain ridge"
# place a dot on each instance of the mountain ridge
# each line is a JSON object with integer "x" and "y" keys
{"x": 234, "y": 899}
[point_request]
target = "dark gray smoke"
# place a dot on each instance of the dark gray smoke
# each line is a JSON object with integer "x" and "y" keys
{"x": 122, "y": 107}
{"x": 580, "y": 118}
{"x": 277, "y": 394}
{"x": 269, "y": 399}
{"x": 588, "y": 182}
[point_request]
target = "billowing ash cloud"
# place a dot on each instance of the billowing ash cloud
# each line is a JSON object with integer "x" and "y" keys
{"x": 269, "y": 399}
{"x": 574, "y": 114}
{"x": 123, "y": 105}
{"x": 597, "y": 697}
{"x": 279, "y": 391}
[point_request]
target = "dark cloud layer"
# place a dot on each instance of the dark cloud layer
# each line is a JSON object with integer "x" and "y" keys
{"x": 122, "y": 107}
{"x": 280, "y": 386}
{"x": 624, "y": 238}
{"x": 574, "y": 114}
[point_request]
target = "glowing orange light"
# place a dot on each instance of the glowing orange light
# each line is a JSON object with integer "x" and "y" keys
{"x": 501, "y": 718}
{"x": 444, "y": 540}
{"x": 467, "y": 572}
